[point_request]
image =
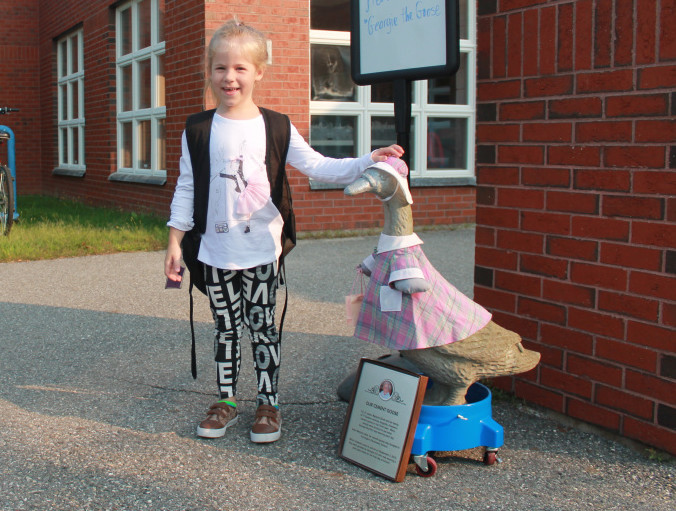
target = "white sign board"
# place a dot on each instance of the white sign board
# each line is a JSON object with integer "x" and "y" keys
{"x": 410, "y": 39}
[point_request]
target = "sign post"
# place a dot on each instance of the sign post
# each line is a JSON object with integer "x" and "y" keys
{"x": 400, "y": 41}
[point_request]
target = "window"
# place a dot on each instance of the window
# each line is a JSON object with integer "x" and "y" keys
{"x": 70, "y": 104}
{"x": 348, "y": 120}
{"x": 141, "y": 107}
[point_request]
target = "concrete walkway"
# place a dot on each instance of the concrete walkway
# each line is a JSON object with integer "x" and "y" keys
{"x": 98, "y": 407}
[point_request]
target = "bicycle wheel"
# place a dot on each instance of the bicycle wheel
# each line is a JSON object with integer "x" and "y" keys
{"x": 6, "y": 200}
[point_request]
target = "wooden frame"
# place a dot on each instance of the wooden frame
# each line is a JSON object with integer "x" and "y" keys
{"x": 381, "y": 419}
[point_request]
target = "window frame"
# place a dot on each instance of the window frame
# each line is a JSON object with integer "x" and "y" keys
{"x": 155, "y": 113}
{"x": 70, "y": 163}
{"x": 421, "y": 111}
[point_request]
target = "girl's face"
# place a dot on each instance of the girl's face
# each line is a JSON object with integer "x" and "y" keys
{"x": 233, "y": 76}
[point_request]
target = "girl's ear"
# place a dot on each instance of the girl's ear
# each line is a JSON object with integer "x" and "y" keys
{"x": 259, "y": 74}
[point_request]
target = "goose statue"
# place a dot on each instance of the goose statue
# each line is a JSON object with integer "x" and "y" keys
{"x": 410, "y": 307}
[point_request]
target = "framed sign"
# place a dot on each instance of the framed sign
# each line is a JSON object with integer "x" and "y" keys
{"x": 381, "y": 419}
{"x": 405, "y": 39}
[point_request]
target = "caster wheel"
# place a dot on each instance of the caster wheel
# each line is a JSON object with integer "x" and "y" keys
{"x": 431, "y": 468}
{"x": 490, "y": 457}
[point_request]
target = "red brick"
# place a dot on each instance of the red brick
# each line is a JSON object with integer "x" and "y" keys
{"x": 565, "y": 382}
{"x": 607, "y": 277}
{"x": 600, "y": 228}
{"x": 498, "y": 133}
{"x": 553, "y": 223}
{"x": 541, "y": 310}
{"x": 624, "y": 33}
{"x": 594, "y": 370}
{"x": 521, "y": 198}
{"x": 603, "y": 131}
{"x": 655, "y": 182}
{"x": 583, "y": 34}
{"x": 658, "y": 234}
{"x": 565, "y": 42}
{"x": 648, "y": 385}
{"x": 667, "y": 37}
{"x": 543, "y": 265}
{"x": 657, "y": 285}
{"x": 523, "y": 154}
{"x": 608, "y": 180}
{"x": 656, "y": 131}
{"x": 517, "y": 283}
{"x": 637, "y": 105}
{"x": 603, "y": 18}
{"x": 585, "y": 203}
{"x": 624, "y": 402}
{"x": 626, "y": 354}
{"x": 495, "y": 258}
{"x": 494, "y": 299}
{"x": 573, "y": 248}
{"x": 649, "y": 334}
{"x": 594, "y": 414}
{"x": 646, "y": 18}
{"x": 596, "y": 322}
{"x": 547, "y": 45}
{"x": 493, "y": 91}
{"x": 547, "y": 176}
{"x": 635, "y": 307}
{"x": 575, "y": 108}
{"x": 650, "y": 434}
{"x": 539, "y": 396}
{"x": 498, "y": 175}
{"x": 522, "y": 111}
{"x": 565, "y": 292}
{"x": 631, "y": 256}
{"x": 583, "y": 156}
{"x": 498, "y": 65}
{"x": 633, "y": 207}
{"x": 609, "y": 81}
{"x": 484, "y": 236}
{"x": 530, "y": 42}
{"x": 548, "y": 86}
{"x": 657, "y": 77}
{"x": 669, "y": 314}
{"x": 547, "y": 132}
{"x": 565, "y": 338}
{"x": 521, "y": 241}
{"x": 514, "y": 43}
{"x": 525, "y": 327}
{"x": 497, "y": 217}
{"x": 549, "y": 355}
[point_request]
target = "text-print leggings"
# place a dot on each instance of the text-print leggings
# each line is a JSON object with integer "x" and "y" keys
{"x": 245, "y": 297}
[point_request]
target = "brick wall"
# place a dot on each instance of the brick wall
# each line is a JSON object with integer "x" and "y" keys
{"x": 20, "y": 88}
{"x": 188, "y": 26}
{"x": 576, "y": 234}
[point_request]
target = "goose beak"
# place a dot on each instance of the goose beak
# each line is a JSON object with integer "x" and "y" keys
{"x": 361, "y": 185}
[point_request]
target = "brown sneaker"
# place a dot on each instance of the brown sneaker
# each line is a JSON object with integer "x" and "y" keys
{"x": 267, "y": 426}
{"x": 219, "y": 417}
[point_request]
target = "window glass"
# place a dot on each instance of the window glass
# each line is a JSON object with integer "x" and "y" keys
{"x": 450, "y": 90}
{"x": 446, "y": 143}
{"x": 74, "y": 99}
{"x": 334, "y": 136}
{"x": 144, "y": 24}
{"x": 125, "y": 31}
{"x": 331, "y": 80}
{"x": 74, "y": 55}
{"x": 160, "y": 101}
{"x": 144, "y": 83}
{"x": 126, "y": 92}
{"x": 144, "y": 144}
{"x": 70, "y": 100}
{"x": 76, "y": 145}
{"x": 161, "y": 144}
{"x": 382, "y": 93}
{"x": 63, "y": 58}
{"x": 126, "y": 144}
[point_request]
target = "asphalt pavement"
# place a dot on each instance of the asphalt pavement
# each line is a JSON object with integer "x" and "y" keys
{"x": 98, "y": 407}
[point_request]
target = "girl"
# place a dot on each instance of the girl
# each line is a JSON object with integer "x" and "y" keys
{"x": 242, "y": 233}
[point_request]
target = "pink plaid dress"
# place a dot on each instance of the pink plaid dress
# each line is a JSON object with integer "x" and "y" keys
{"x": 438, "y": 316}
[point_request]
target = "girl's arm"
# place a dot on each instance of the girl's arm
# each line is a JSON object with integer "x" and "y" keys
{"x": 332, "y": 170}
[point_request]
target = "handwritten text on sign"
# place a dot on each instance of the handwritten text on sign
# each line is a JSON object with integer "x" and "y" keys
{"x": 402, "y": 34}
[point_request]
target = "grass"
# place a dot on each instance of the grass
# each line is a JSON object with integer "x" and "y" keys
{"x": 50, "y": 228}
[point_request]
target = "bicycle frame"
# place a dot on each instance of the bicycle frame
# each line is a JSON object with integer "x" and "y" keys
{"x": 11, "y": 161}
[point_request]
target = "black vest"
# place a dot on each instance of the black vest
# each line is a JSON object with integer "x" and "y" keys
{"x": 277, "y": 134}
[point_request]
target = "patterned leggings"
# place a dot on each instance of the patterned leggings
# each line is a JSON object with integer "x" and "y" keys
{"x": 245, "y": 297}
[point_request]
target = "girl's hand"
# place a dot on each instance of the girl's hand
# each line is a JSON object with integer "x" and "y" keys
{"x": 384, "y": 153}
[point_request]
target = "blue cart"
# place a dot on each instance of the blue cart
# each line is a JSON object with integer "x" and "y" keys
{"x": 455, "y": 428}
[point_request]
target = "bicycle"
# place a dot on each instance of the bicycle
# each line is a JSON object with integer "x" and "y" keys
{"x": 7, "y": 178}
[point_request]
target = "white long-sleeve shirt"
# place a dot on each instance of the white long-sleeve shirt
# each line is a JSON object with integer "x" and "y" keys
{"x": 235, "y": 240}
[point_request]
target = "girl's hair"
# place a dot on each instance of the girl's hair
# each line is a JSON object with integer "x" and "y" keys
{"x": 250, "y": 41}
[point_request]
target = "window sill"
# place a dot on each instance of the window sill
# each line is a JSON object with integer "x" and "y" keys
{"x": 416, "y": 182}
{"x": 60, "y": 171}
{"x": 125, "y": 177}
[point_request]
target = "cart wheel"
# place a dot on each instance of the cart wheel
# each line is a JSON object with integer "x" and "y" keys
{"x": 490, "y": 457}
{"x": 431, "y": 468}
